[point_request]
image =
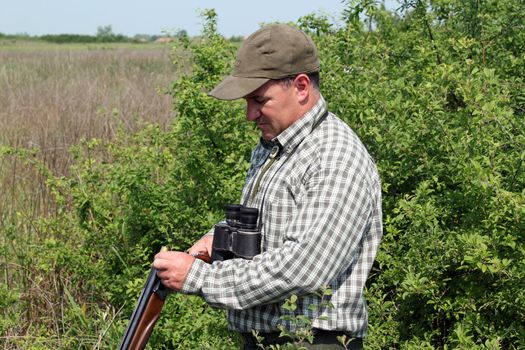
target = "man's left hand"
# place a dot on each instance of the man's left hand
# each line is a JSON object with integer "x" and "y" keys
{"x": 172, "y": 268}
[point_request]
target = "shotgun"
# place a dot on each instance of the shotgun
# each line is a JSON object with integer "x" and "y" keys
{"x": 147, "y": 311}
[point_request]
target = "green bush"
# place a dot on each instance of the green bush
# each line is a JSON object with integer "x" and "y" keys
{"x": 440, "y": 104}
{"x": 164, "y": 187}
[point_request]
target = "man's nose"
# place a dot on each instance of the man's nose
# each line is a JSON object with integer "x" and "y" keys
{"x": 252, "y": 111}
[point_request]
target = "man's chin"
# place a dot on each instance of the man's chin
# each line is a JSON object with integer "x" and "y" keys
{"x": 267, "y": 137}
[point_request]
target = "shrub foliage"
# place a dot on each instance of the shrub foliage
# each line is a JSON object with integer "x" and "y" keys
{"x": 435, "y": 90}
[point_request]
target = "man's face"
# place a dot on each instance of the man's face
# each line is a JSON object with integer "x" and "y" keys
{"x": 273, "y": 107}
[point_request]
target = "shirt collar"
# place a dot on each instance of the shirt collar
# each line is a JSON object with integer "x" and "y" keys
{"x": 295, "y": 133}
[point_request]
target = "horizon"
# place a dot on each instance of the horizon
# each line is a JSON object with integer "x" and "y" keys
{"x": 130, "y": 18}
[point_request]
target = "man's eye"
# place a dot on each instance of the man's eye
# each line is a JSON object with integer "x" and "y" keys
{"x": 260, "y": 100}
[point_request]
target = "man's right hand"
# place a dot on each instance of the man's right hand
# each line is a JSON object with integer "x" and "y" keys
{"x": 202, "y": 246}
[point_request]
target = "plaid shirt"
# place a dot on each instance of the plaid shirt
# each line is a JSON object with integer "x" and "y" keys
{"x": 320, "y": 204}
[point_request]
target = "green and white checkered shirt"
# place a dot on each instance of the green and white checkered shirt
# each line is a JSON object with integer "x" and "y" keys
{"x": 320, "y": 204}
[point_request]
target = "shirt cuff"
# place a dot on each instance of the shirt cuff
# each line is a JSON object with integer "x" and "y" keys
{"x": 195, "y": 278}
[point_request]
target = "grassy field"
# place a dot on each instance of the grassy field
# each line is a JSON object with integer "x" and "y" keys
{"x": 53, "y": 96}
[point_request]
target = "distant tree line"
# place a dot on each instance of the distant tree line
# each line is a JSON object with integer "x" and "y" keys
{"x": 78, "y": 38}
{"x": 105, "y": 35}
{"x": 14, "y": 36}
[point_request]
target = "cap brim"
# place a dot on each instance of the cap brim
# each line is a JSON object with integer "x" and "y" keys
{"x": 232, "y": 88}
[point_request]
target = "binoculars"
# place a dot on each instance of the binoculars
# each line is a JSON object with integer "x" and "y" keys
{"x": 239, "y": 236}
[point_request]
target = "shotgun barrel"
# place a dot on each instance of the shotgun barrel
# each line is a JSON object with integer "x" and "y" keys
{"x": 147, "y": 311}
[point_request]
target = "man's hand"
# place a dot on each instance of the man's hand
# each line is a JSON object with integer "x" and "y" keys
{"x": 202, "y": 246}
{"x": 172, "y": 268}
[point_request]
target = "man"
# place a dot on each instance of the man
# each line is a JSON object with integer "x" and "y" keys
{"x": 319, "y": 198}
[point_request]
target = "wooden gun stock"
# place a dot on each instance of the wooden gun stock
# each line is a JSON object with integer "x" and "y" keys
{"x": 147, "y": 311}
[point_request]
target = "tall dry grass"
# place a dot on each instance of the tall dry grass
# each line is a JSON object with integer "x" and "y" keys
{"x": 51, "y": 98}
{"x": 54, "y": 96}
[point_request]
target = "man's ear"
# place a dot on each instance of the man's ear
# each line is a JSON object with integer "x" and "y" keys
{"x": 302, "y": 85}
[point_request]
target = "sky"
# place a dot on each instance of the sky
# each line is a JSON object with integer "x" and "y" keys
{"x": 153, "y": 17}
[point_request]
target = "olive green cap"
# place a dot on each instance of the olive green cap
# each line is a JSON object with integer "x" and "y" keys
{"x": 273, "y": 52}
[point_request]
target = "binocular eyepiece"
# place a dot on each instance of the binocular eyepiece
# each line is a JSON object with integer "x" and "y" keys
{"x": 240, "y": 216}
{"x": 238, "y": 237}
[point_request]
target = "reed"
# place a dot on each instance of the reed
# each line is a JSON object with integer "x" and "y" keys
{"x": 53, "y": 96}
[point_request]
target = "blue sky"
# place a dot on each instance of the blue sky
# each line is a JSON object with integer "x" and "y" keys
{"x": 130, "y": 17}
